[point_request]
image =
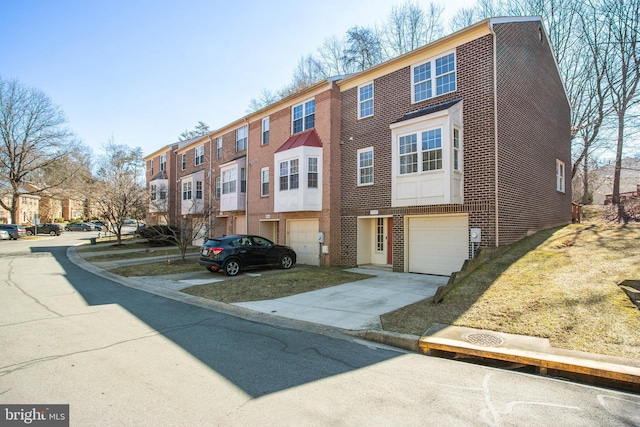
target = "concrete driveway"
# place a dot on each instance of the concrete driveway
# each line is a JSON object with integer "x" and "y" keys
{"x": 356, "y": 305}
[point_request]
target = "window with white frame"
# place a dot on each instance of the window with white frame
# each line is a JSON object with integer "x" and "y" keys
{"x": 243, "y": 180}
{"x": 560, "y": 176}
{"x": 217, "y": 187}
{"x": 456, "y": 149}
{"x": 163, "y": 162}
{"x": 151, "y": 167}
{"x": 198, "y": 190}
{"x": 162, "y": 192}
{"x": 229, "y": 179}
{"x": 184, "y": 161}
{"x": 365, "y": 166}
{"x": 219, "y": 147}
{"x": 289, "y": 175}
{"x": 434, "y": 78}
{"x": 365, "y": 101}
{"x": 312, "y": 172}
{"x": 430, "y": 151}
{"x": 265, "y": 131}
{"x": 304, "y": 116}
{"x": 154, "y": 191}
{"x": 264, "y": 182}
{"x": 199, "y": 155}
{"x": 241, "y": 138}
{"x": 186, "y": 190}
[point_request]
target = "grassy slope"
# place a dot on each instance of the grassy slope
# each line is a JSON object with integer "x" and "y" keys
{"x": 559, "y": 284}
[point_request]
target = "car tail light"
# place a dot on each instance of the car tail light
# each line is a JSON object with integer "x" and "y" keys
{"x": 216, "y": 251}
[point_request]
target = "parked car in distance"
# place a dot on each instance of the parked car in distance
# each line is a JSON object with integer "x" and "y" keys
{"x": 45, "y": 228}
{"x": 79, "y": 226}
{"x": 99, "y": 225}
{"x": 4, "y": 235}
{"x": 15, "y": 230}
{"x": 232, "y": 254}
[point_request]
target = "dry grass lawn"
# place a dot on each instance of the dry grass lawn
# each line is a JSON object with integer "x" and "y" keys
{"x": 271, "y": 286}
{"x": 559, "y": 284}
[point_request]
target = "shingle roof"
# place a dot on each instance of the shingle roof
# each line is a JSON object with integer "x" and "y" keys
{"x": 428, "y": 110}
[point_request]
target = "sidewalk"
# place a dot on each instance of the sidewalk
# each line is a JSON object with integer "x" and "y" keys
{"x": 355, "y": 308}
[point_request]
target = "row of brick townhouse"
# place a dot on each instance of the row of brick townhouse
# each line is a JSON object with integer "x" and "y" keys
{"x": 411, "y": 164}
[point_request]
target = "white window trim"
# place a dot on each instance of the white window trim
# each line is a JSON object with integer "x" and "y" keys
{"x": 360, "y": 101}
{"x": 263, "y": 181}
{"x": 199, "y": 155}
{"x": 183, "y": 161}
{"x": 364, "y": 150}
{"x": 232, "y": 175}
{"x": 163, "y": 162}
{"x": 560, "y": 176}
{"x": 244, "y": 128}
{"x": 219, "y": 147}
{"x": 304, "y": 115}
{"x": 316, "y": 172}
{"x": 268, "y": 129}
{"x": 433, "y": 77}
{"x": 187, "y": 190}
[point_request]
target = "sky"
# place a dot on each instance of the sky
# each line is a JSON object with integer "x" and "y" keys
{"x": 141, "y": 72}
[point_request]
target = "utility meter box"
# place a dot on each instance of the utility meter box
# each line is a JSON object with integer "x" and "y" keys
{"x": 474, "y": 235}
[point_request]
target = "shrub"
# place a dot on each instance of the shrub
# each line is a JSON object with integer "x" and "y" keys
{"x": 161, "y": 234}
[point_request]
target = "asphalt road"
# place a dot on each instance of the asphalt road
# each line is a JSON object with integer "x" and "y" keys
{"x": 122, "y": 357}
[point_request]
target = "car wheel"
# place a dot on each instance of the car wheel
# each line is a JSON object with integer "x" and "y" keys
{"x": 29, "y": 233}
{"x": 286, "y": 261}
{"x": 67, "y": 229}
{"x": 52, "y": 233}
{"x": 232, "y": 267}
{"x": 85, "y": 229}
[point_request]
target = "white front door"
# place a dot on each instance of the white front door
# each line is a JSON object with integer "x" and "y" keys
{"x": 379, "y": 241}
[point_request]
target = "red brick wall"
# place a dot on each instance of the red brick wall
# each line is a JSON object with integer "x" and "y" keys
{"x": 327, "y": 115}
{"x": 533, "y": 131}
{"x": 392, "y": 99}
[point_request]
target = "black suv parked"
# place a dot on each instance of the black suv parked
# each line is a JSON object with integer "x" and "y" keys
{"x": 15, "y": 230}
{"x": 46, "y": 228}
{"x": 235, "y": 253}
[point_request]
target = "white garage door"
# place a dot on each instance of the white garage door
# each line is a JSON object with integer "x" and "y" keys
{"x": 438, "y": 244}
{"x": 302, "y": 236}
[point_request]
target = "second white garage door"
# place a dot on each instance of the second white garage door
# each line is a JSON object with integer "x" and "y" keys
{"x": 437, "y": 244}
{"x": 302, "y": 236}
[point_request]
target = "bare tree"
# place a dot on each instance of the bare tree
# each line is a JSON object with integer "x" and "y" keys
{"x": 622, "y": 18}
{"x": 409, "y": 27}
{"x": 265, "y": 98}
{"x": 120, "y": 193}
{"x": 182, "y": 230}
{"x": 34, "y": 136}
{"x": 364, "y": 48}
{"x": 331, "y": 58}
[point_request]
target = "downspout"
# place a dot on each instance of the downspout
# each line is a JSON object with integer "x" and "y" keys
{"x": 495, "y": 131}
{"x": 246, "y": 184}
{"x": 210, "y": 175}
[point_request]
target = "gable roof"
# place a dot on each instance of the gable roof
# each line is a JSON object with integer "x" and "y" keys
{"x": 308, "y": 138}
